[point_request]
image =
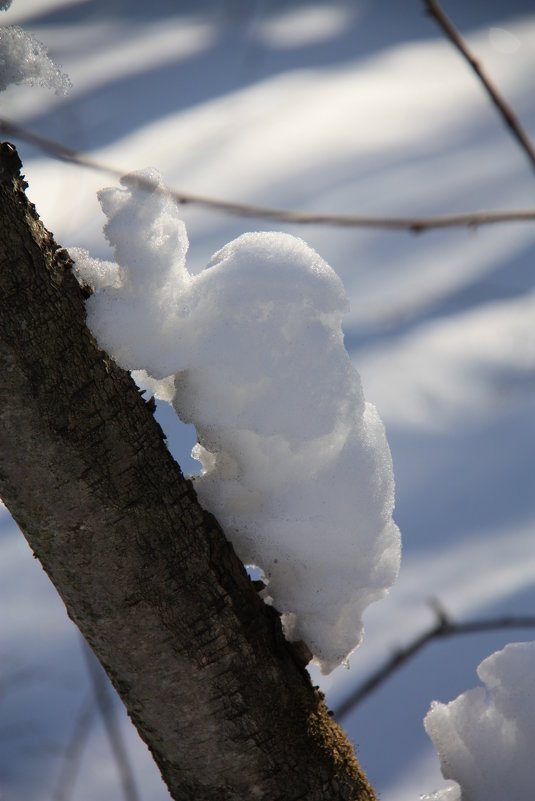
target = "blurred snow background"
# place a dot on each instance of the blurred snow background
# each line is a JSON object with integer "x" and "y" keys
{"x": 340, "y": 106}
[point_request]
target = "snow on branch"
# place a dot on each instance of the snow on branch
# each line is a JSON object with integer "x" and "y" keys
{"x": 296, "y": 465}
{"x": 24, "y": 59}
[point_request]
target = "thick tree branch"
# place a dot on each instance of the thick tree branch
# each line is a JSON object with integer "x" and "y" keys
{"x": 218, "y": 695}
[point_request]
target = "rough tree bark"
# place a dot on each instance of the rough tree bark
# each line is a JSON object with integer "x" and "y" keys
{"x": 221, "y": 699}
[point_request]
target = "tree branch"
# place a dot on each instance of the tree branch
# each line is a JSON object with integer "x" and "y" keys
{"x": 444, "y": 627}
{"x": 415, "y": 225}
{"x": 504, "y": 109}
{"x": 221, "y": 699}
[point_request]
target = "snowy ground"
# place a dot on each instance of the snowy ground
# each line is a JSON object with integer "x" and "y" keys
{"x": 345, "y": 106}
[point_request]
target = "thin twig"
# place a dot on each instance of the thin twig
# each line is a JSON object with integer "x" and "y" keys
{"x": 434, "y": 9}
{"x": 105, "y": 705}
{"x": 414, "y": 225}
{"x": 444, "y": 627}
{"x": 73, "y": 752}
{"x": 55, "y": 149}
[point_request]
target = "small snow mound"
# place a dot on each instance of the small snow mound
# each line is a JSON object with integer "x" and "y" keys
{"x": 485, "y": 737}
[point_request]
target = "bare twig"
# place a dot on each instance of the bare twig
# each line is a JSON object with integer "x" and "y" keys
{"x": 105, "y": 706}
{"x": 444, "y": 627}
{"x": 412, "y": 224}
{"x": 434, "y": 9}
{"x": 74, "y": 751}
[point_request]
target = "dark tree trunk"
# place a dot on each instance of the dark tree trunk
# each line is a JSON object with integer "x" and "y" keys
{"x": 218, "y": 695}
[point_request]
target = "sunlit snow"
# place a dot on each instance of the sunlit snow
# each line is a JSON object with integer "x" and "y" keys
{"x": 24, "y": 59}
{"x": 485, "y": 737}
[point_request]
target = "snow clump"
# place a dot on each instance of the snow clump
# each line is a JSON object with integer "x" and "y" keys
{"x": 295, "y": 463}
{"x": 485, "y": 738}
{"x": 24, "y": 59}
